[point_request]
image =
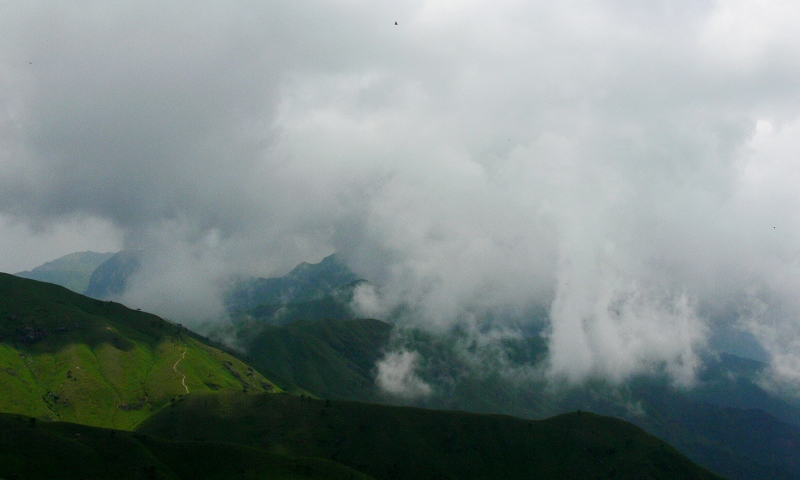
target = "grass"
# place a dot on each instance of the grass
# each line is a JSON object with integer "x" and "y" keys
{"x": 332, "y": 358}
{"x": 68, "y": 357}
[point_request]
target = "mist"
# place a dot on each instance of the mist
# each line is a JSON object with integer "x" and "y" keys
{"x": 632, "y": 169}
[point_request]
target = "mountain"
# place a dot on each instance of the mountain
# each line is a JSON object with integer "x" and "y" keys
{"x": 64, "y": 356}
{"x": 183, "y": 409}
{"x": 336, "y": 305}
{"x": 401, "y": 442}
{"x": 305, "y": 282}
{"x": 337, "y": 359}
{"x": 105, "y": 276}
{"x": 739, "y": 443}
{"x": 71, "y": 271}
{"x": 110, "y": 278}
{"x": 300, "y": 332}
{"x": 732, "y": 381}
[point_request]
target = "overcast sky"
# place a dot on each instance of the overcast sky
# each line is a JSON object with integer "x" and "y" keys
{"x": 631, "y": 166}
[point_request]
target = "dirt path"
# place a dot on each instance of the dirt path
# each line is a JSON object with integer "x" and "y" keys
{"x": 175, "y": 367}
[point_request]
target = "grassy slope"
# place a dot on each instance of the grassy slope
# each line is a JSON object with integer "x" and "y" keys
{"x": 71, "y": 271}
{"x": 404, "y": 442}
{"x": 67, "y": 357}
{"x": 36, "y": 450}
{"x": 336, "y": 359}
{"x": 331, "y": 357}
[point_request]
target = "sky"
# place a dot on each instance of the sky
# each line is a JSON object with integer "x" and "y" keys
{"x": 631, "y": 167}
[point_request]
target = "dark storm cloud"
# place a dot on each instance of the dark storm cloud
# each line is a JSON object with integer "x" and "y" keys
{"x": 629, "y": 167}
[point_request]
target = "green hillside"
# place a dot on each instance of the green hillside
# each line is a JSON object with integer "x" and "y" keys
{"x": 72, "y": 271}
{"x": 35, "y": 450}
{"x": 404, "y": 442}
{"x": 335, "y": 358}
{"x": 64, "y": 356}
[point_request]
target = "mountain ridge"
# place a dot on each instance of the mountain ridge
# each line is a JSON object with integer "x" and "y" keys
{"x": 407, "y": 442}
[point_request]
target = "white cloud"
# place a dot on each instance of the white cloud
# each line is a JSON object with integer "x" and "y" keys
{"x": 29, "y": 246}
{"x": 396, "y": 375}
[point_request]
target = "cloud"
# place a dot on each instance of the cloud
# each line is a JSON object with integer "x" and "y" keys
{"x": 602, "y": 328}
{"x": 396, "y": 375}
{"x": 368, "y": 303}
{"x": 181, "y": 281}
{"x": 629, "y": 168}
{"x": 51, "y": 241}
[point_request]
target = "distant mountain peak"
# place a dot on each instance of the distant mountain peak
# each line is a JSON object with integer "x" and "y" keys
{"x": 306, "y": 281}
{"x": 111, "y": 277}
{"x": 72, "y": 271}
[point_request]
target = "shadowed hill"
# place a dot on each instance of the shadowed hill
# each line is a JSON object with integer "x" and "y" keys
{"x": 65, "y": 356}
{"x": 34, "y": 450}
{"x": 404, "y": 442}
{"x": 333, "y": 357}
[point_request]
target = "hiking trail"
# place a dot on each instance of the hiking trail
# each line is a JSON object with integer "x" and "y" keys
{"x": 175, "y": 367}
